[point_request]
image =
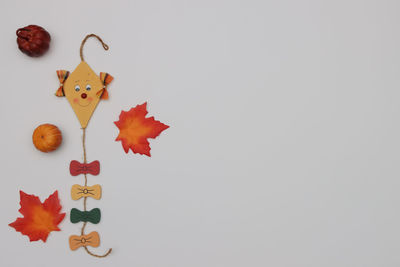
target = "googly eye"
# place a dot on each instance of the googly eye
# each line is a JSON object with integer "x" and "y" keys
{"x": 77, "y": 88}
{"x": 88, "y": 87}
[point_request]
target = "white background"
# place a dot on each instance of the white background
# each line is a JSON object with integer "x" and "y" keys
{"x": 283, "y": 148}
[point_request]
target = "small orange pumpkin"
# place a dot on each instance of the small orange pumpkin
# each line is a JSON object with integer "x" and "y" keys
{"x": 47, "y": 137}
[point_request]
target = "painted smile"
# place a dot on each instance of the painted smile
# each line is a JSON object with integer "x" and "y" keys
{"x": 84, "y": 105}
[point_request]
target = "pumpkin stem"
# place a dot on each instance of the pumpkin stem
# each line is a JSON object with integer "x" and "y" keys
{"x": 23, "y": 35}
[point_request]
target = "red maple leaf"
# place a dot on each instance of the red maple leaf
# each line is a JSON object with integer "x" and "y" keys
{"x": 135, "y": 128}
{"x": 39, "y": 218}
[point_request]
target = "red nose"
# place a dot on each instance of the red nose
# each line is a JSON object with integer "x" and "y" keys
{"x": 84, "y": 95}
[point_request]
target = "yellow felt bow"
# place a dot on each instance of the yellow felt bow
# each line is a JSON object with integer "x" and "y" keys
{"x": 92, "y": 239}
{"x": 78, "y": 191}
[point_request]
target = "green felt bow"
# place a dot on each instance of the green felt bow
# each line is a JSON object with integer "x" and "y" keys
{"x": 92, "y": 216}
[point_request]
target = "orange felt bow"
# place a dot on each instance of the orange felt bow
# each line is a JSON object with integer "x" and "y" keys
{"x": 92, "y": 239}
{"x": 79, "y": 191}
{"x": 62, "y": 76}
{"x": 105, "y": 79}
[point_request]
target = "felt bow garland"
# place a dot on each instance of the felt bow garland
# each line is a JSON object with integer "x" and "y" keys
{"x": 62, "y": 76}
{"x": 92, "y": 239}
{"x": 79, "y": 191}
{"x": 105, "y": 79}
{"x": 76, "y": 168}
{"x": 92, "y": 216}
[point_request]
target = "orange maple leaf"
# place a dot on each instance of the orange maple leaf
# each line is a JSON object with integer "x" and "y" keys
{"x": 39, "y": 218}
{"x": 135, "y": 128}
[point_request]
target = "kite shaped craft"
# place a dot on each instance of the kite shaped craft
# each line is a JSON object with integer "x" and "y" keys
{"x": 84, "y": 89}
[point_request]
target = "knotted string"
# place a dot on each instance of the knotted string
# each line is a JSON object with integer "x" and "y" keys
{"x": 84, "y": 199}
{"x": 105, "y": 46}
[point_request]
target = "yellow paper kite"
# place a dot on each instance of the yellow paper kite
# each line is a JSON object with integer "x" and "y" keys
{"x": 83, "y": 89}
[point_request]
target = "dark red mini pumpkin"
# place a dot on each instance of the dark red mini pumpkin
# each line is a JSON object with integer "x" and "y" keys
{"x": 33, "y": 40}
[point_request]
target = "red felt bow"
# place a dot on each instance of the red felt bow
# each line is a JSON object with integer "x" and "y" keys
{"x": 76, "y": 168}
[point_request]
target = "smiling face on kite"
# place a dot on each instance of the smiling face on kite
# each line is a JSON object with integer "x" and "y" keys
{"x": 81, "y": 90}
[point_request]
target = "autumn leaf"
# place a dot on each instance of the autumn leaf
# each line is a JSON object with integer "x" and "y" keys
{"x": 39, "y": 218}
{"x": 135, "y": 129}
